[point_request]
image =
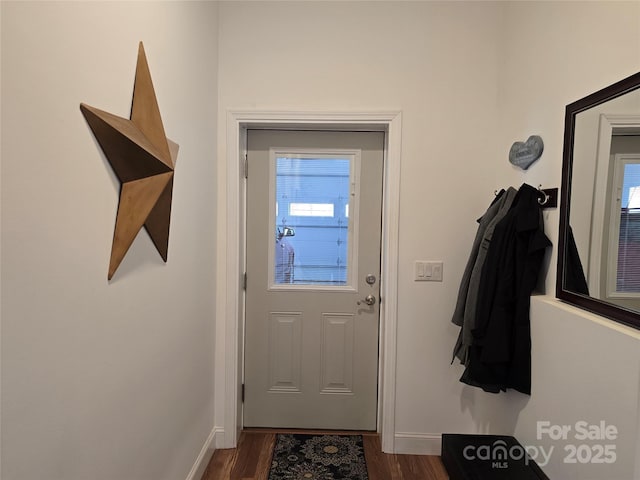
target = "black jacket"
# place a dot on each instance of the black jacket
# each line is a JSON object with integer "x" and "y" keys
{"x": 500, "y": 356}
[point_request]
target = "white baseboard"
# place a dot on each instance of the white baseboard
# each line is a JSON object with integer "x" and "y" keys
{"x": 218, "y": 437}
{"x": 418, "y": 443}
{"x": 206, "y": 453}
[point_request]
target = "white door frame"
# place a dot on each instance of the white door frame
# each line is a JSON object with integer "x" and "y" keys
{"x": 237, "y": 124}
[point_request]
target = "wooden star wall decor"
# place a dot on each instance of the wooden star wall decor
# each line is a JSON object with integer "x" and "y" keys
{"x": 143, "y": 159}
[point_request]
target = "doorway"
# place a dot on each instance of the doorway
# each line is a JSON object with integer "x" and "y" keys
{"x": 313, "y": 274}
{"x": 230, "y": 293}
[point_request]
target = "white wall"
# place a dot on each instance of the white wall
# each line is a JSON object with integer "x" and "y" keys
{"x": 438, "y": 64}
{"x": 470, "y": 79}
{"x": 114, "y": 381}
{"x": 104, "y": 380}
{"x": 584, "y": 367}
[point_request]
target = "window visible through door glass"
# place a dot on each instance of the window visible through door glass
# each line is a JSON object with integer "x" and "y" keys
{"x": 312, "y": 197}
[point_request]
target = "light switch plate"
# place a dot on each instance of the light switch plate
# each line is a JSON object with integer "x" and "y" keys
{"x": 427, "y": 271}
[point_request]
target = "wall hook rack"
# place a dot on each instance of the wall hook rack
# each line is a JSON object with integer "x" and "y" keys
{"x": 549, "y": 197}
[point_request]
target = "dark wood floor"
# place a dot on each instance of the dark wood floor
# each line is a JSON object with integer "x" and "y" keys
{"x": 252, "y": 459}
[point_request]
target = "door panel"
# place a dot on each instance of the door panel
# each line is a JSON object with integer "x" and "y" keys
{"x": 313, "y": 238}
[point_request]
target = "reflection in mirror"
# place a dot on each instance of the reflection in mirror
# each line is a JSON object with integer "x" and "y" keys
{"x": 599, "y": 245}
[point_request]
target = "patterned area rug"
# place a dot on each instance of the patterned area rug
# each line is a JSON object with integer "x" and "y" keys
{"x": 318, "y": 457}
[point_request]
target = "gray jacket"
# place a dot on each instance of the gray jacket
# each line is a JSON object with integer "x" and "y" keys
{"x": 465, "y": 312}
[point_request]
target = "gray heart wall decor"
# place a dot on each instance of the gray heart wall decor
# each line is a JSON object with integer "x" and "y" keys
{"x": 523, "y": 154}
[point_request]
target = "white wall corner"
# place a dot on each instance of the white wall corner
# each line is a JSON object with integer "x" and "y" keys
{"x": 204, "y": 457}
{"x": 418, "y": 443}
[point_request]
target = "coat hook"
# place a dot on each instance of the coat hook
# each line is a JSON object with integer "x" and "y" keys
{"x": 545, "y": 198}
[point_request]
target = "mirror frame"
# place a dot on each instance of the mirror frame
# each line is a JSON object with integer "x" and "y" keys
{"x": 600, "y": 307}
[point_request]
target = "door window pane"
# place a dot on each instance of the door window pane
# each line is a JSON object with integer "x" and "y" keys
{"x": 312, "y": 227}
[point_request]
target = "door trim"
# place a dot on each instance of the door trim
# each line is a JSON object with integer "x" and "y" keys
{"x": 237, "y": 123}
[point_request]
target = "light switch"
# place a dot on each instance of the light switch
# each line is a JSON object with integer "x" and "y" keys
{"x": 428, "y": 271}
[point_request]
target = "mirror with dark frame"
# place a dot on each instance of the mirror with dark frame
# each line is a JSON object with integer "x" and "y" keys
{"x": 599, "y": 241}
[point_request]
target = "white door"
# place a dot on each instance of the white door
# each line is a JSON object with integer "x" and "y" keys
{"x": 314, "y": 203}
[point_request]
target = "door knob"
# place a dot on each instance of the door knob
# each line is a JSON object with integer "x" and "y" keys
{"x": 369, "y": 300}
